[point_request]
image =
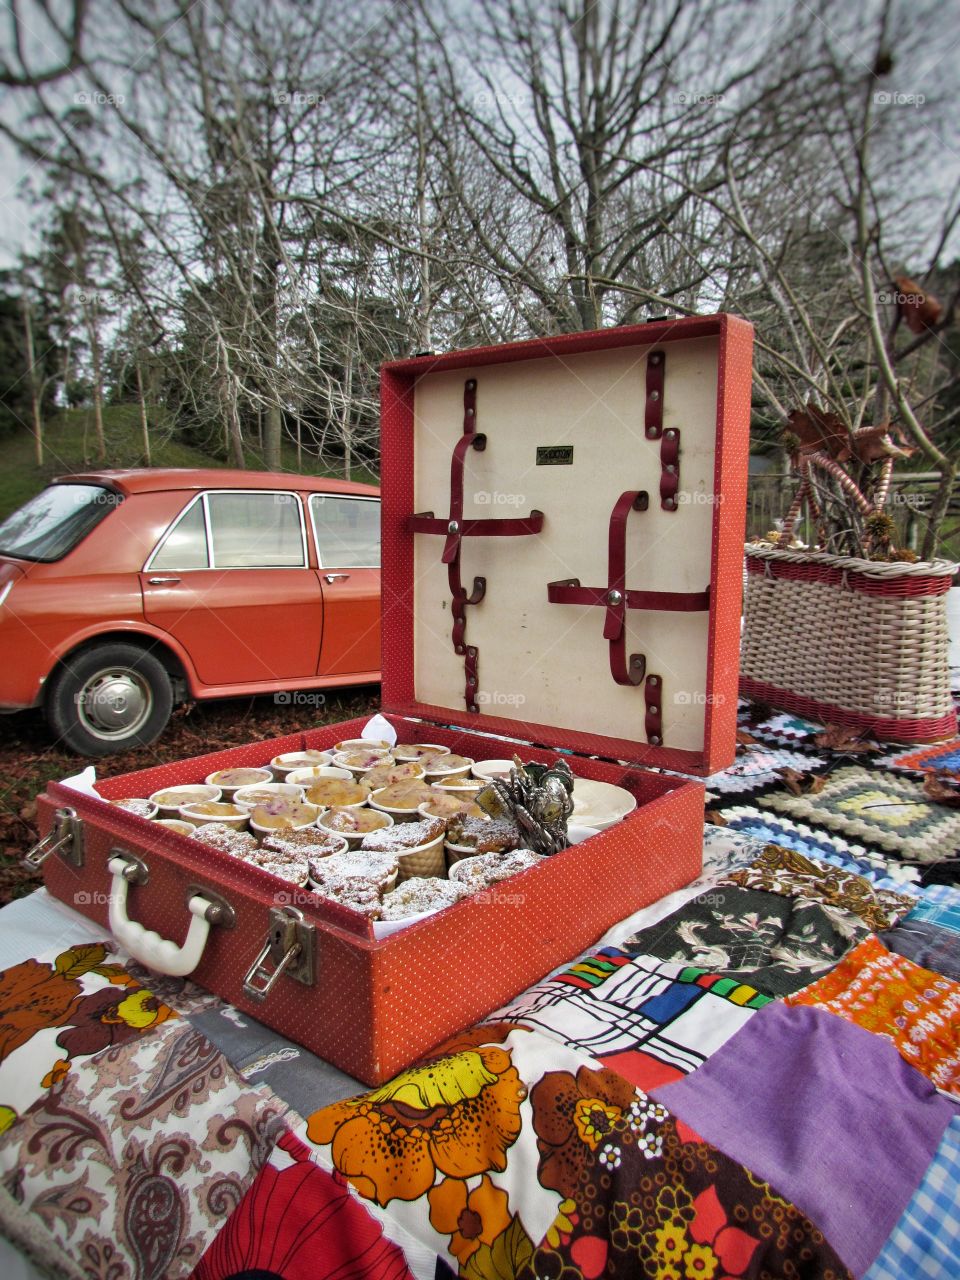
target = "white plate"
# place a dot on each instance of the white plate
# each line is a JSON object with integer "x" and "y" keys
{"x": 600, "y": 804}
{"x": 487, "y": 769}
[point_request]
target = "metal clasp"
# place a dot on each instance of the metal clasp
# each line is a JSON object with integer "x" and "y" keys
{"x": 291, "y": 945}
{"x": 64, "y": 837}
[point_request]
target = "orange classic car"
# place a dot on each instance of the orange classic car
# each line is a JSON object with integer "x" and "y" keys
{"x": 124, "y": 592}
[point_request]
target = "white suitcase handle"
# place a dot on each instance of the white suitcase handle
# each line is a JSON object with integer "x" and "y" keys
{"x": 157, "y": 953}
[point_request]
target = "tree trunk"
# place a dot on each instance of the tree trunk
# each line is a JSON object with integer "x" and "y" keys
{"x": 144, "y": 425}
{"x": 36, "y": 419}
{"x": 272, "y": 434}
{"x": 89, "y": 311}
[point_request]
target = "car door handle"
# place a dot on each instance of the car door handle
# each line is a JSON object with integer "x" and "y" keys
{"x": 162, "y": 582}
{"x": 335, "y": 577}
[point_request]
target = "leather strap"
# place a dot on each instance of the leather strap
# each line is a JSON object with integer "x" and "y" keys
{"x": 669, "y": 468}
{"x": 653, "y": 412}
{"x": 653, "y": 720}
{"x": 454, "y": 529}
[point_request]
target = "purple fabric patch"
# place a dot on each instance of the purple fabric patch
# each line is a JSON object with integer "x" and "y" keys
{"x": 828, "y": 1113}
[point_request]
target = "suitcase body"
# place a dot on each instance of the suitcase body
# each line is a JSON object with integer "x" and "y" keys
{"x": 562, "y": 572}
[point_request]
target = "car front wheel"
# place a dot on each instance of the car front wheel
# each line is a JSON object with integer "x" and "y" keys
{"x": 109, "y": 699}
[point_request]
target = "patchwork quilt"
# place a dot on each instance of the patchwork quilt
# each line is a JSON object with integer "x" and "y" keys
{"x": 758, "y": 1077}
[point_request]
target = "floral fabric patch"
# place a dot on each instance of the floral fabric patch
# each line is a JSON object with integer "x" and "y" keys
{"x": 57, "y": 1011}
{"x": 135, "y": 1159}
{"x": 917, "y": 1009}
{"x": 780, "y": 870}
{"x": 774, "y": 944}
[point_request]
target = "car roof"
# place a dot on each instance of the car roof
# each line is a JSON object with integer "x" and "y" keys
{"x": 153, "y": 479}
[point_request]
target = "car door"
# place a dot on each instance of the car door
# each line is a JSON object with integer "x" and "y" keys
{"x": 232, "y": 584}
{"x": 347, "y": 534}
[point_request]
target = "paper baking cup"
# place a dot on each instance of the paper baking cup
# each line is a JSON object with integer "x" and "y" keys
{"x": 353, "y": 838}
{"x": 425, "y": 860}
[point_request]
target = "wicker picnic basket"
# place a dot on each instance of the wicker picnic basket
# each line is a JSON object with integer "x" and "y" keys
{"x": 849, "y": 641}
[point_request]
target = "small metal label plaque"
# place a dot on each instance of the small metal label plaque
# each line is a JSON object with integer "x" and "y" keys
{"x": 554, "y": 455}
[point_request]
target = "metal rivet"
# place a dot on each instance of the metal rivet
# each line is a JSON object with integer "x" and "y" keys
{"x": 637, "y": 662}
{"x": 672, "y": 469}
{"x": 654, "y": 741}
{"x": 614, "y": 597}
{"x": 671, "y": 433}
{"x": 453, "y": 527}
{"x": 654, "y": 710}
{"x": 654, "y": 395}
{"x": 655, "y": 358}
{"x": 654, "y": 679}
{"x": 651, "y": 431}
{"x": 469, "y": 413}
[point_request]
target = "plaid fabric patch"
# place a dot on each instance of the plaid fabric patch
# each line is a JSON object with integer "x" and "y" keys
{"x": 925, "y": 1243}
{"x": 613, "y": 1003}
{"x": 941, "y": 908}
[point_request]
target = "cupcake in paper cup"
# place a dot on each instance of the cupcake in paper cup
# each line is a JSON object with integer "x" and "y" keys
{"x": 468, "y": 836}
{"x": 384, "y": 775}
{"x": 417, "y": 846}
{"x": 340, "y": 793}
{"x": 135, "y": 805}
{"x": 413, "y": 900}
{"x": 354, "y": 824}
{"x": 446, "y": 806}
{"x": 282, "y": 765}
{"x": 361, "y": 760}
{"x": 263, "y": 792}
{"x": 231, "y": 815}
{"x": 363, "y": 744}
{"x": 401, "y": 799}
{"x": 422, "y": 751}
{"x": 440, "y": 768}
{"x": 169, "y": 799}
{"x": 283, "y": 814}
{"x": 231, "y": 780}
{"x": 307, "y": 777}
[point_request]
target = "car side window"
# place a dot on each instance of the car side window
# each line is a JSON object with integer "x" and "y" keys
{"x": 256, "y": 530}
{"x": 347, "y": 531}
{"x": 185, "y": 546}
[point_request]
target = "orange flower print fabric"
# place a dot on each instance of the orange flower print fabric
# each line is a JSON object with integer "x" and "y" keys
{"x": 917, "y": 1009}
{"x": 456, "y": 1115}
{"x": 83, "y": 993}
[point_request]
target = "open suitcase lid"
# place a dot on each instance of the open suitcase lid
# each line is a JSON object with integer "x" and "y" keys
{"x": 563, "y": 525}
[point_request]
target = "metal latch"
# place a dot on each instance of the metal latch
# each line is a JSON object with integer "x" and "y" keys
{"x": 64, "y": 837}
{"x": 291, "y": 946}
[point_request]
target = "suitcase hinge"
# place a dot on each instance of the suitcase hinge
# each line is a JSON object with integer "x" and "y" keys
{"x": 291, "y": 948}
{"x": 64, "y": 837}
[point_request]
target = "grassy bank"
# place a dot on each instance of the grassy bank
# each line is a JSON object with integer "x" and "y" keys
{"x": 70, "y": 446}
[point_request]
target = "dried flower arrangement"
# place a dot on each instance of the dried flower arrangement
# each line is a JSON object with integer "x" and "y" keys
{"x": 844, "y": 483}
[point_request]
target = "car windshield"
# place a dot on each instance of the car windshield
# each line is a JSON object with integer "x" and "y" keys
{"x": 52, "y": 523}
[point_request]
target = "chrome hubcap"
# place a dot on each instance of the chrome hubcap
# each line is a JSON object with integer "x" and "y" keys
{"x": 114, "y": 703}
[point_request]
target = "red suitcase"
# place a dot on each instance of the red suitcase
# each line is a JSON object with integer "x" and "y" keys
{"x": 563, "y": 538}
